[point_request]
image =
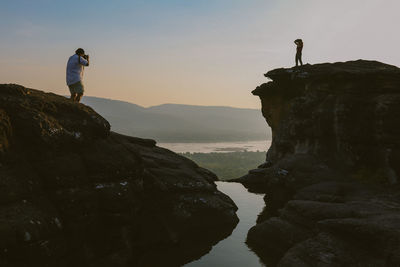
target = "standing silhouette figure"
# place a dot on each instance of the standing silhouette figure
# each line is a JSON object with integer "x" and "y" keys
{"x": 299, "y": 49}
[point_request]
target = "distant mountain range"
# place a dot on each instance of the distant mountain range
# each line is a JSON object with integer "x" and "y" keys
{"x": 182, "y": 123}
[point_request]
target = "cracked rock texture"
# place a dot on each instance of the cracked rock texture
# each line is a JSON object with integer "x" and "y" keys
{"x": 331, "y": 176}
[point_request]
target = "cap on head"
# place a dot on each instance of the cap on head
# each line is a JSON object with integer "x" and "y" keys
{"x": 79, "y": 51}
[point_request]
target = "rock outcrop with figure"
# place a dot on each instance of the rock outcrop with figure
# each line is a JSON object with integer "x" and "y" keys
{"x": 332, "y": 174}
{"x": 73, "y": 193}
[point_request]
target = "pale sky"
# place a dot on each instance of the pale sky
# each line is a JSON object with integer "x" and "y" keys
{"x": 204, "y": 52}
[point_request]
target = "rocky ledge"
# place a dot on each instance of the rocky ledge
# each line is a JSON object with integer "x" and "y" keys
{"x": 331, "y": 176}
{"x": 73, "y": 193}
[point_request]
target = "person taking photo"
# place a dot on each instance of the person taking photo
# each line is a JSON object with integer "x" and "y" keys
{"x": 75, "y": 66}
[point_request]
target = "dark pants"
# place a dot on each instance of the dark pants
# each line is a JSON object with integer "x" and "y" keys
{"x": 298, "y": 58}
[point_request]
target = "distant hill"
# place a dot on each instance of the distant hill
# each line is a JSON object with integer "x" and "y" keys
{"x": 182, "y": 123}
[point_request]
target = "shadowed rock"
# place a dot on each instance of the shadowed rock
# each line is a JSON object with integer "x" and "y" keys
{"x": 332, "y": 173}
{"x": 72, "y": 193}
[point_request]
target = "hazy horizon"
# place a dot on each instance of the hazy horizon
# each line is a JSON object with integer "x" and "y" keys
{"x": 206, "y": 53}
{"x": 179, "y": 123}
{"x": 167, "y": 103}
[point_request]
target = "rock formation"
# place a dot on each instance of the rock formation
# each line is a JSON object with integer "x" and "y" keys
{"x": 73, "y": 193}
{"x": 331, "y": 176}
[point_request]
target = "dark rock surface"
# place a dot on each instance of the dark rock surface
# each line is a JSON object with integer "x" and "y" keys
{"x": 72, "y": 193}
{"x": 332, "y": 173}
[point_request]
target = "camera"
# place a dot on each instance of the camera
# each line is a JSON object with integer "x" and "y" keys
{"x": 86, "y": 57}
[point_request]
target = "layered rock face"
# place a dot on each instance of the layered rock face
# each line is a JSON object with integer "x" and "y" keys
{"x": 73, "y": 193}
{"x": 332, "y": 173}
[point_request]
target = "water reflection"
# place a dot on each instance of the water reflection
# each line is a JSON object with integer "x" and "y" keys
{"x": 221, "y": 147}
{"x": 233, "y": 251}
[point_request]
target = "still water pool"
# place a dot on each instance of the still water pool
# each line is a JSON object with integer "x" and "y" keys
{"x": 232, "y": 251}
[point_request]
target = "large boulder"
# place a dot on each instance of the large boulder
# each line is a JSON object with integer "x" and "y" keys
{"x": 73, "y": 193}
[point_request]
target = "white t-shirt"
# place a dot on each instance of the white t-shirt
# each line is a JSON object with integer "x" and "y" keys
{"x": 75, "y": 69}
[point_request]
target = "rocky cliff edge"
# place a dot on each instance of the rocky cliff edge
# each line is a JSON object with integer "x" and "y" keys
{"x": 73, "y": 193}
{"x": 331, "y": 176}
